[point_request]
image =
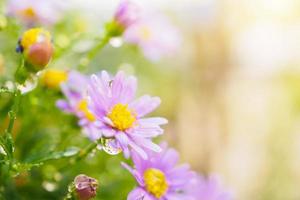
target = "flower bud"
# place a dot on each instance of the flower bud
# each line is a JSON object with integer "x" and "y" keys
{"x": 37, "y": 48}
{"x": 86, "y": 187}
{"x": 52, "y": 78}
{"x": 127, "y": 13}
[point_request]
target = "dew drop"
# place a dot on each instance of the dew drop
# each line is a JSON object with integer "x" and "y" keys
{"x": 110, "y": 146}
{"x": 116, "y": 42}
{"x": 2, "y": 151}
{"x": 49, "y": 186}
{"x": 29, "y": 85}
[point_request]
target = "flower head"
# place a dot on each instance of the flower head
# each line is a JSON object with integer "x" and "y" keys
{"x": 37, "y": 47}
{"x": 86, "y": 187}
{"x": 158, "y": 177}
{"x": 32, "y": 12}
{"x": 127, "y": 13}
{"x": 52, "y": 78}
{"x": 75, "y": 91}
{"x": 120, "y": 117}
{"x": 155, "y": 35}
{"x": 207, "y": 188}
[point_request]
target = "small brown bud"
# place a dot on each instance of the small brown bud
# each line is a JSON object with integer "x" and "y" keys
{"x": 86, "y": 187}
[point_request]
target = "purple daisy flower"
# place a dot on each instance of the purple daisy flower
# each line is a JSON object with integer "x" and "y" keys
{"x": 159, "y": 177}
{"x": 120, "y": 117}
{"x": 75, "y": 91}
{"x": 155, "y": 35}
{"x": 209, "y": 188}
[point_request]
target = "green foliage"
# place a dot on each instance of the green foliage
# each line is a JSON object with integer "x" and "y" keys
{"x": 44, "y": 148}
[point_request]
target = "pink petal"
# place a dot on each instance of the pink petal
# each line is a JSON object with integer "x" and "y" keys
{"x": 153, "y": 121}
{"x": 139, "y": 194}
{"x": 147, "y": 143}
{"x": 135, "y": 173}
{"x": 138, "y": 149}
{"x": 145, "y": 105}
{"x": 123, "y": 89}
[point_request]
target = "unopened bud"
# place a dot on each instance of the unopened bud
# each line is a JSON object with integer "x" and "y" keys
{"x": 37, "y": 48}
{"x": 127, "y": 13}
{"x": 86, "y": 187}
{"x": 52, "y": 78}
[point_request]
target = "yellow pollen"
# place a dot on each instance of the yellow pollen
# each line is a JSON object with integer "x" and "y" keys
{"x": 145, "y": 33}
{"x": 121, "y": 117}
{"x": 155, "y": 182}
{"x": 83, "y": 107}
{"x": 52, "y": 78}
{"x": 33, "y": 36}
{"x": 29, "y": 12}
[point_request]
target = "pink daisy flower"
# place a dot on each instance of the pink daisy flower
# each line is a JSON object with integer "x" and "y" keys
{"x": 120, "y": 117}
{"x": 75, "y": 91}
{"x": 159, "y": 177}
{"x": 155, "y": 35}
{"x": 207, "y": 188}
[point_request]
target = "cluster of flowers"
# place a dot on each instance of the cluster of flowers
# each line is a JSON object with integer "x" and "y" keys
{"x": 105, "y": 107}
{"x": 107, "y": 110}
{"x": 138, "y": 26}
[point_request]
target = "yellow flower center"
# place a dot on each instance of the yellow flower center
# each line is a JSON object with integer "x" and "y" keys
{"x": 52, "y": 78}
{"x": 29, "y": 12}
{"x": 33, "y": 36}
{"x": 145, "y": 33}
{"x": 121, "y": 117}
{"x": 155, "y": 182}
{"x": 83, "y": 107}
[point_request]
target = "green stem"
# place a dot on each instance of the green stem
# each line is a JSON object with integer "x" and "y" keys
{"x": 71, "y": 192}
{"x": 84, "y": 152}
{"x": 7, "y": 140}
{"x": 93, "y": 52}
{"x": 81, "y": 155}
{"x": 12, "y": 114}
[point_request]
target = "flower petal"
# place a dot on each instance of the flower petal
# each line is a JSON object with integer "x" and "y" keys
{"x": 145, "y": 105}
{"x": 135, "y": 173}
{"x": 123, "y": 89}
{"x": 153, "y": 121}
{"x": 138, "y": 149}
{"x": 147, "y": 143}
{"x": 123, "y": 141}
{"x": 139, "y": 194}
{"x": 64, "y": 105}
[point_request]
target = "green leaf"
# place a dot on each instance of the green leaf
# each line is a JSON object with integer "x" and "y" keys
{"x": 22, "y": 167}
{"x": 69, "y": 152}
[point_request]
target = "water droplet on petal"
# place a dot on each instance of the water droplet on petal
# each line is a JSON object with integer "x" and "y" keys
{"x": 116, "y": 42}
{"x": 110, "y": 146}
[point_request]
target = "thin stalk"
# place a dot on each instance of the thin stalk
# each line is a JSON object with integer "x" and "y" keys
{"x": 81, "y": 155}
{"x": 71, "y": 192}
{"x": 93, "y": 52}
{"x": 84, "y": 152}
{"x": 7, "y": 139}
{"x": 12, "y": 117}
